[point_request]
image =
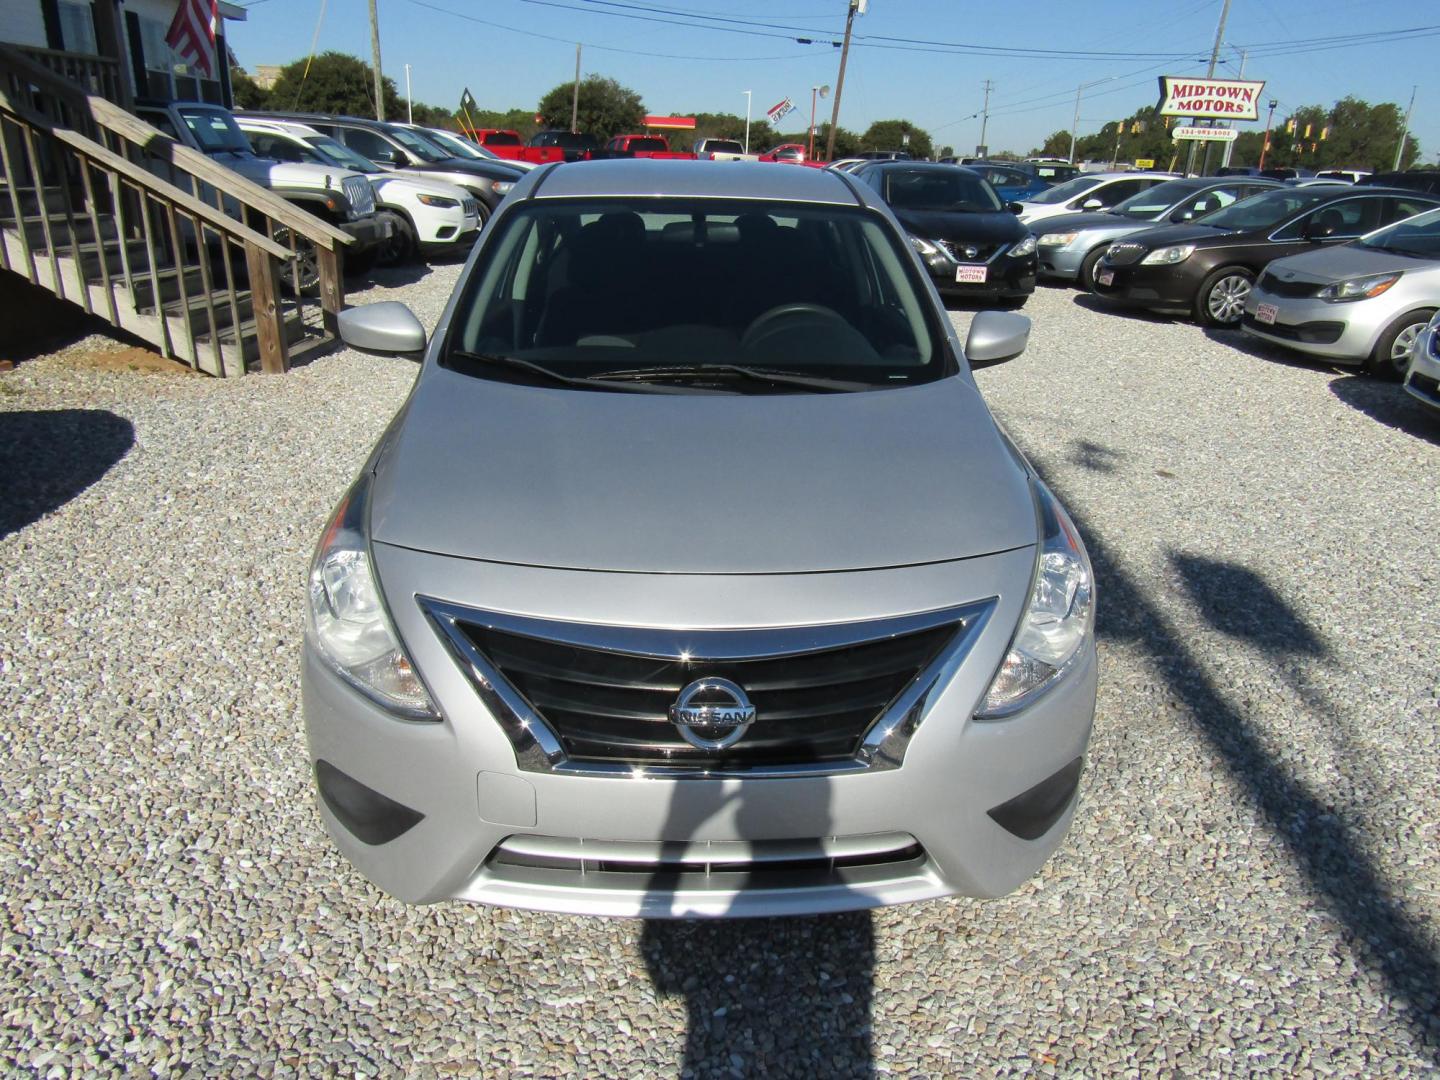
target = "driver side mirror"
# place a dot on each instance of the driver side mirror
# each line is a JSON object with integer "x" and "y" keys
{"x": 1315, "y": 231}
{"x": 1014, "y": 208}
{"x": 394, "y": 157}
{"x": 996, "y": 336}
{"x": 388, "y": 328}
{"x": 1092, "y": 204}
{"x": 1182, "y": 215}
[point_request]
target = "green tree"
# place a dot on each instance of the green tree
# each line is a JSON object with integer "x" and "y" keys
{"x": 890, "y": 135}
{"x": 606, "y": 107}
{"x": 246, "y": 91}
{"x": 337, "y": 83}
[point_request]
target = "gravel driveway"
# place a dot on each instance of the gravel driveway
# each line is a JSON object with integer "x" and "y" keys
{"x": 1251, "y": 883}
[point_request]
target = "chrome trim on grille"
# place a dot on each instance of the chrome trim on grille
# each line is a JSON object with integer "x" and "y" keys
{"x": 539, "y": 749}
{"x": 360, "y": 195}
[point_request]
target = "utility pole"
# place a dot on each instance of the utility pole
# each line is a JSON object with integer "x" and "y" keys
{"x": 747, "y": 94}
{"x": 375, "y": 59}
{"x": 575, "y": 97}
{"x": 1404, "y": 131}
{"x": 409, "y": 100}
{"x": 1075, "y": 123}
{"x": 1229, "y": 146}
{"x": 840, "y": 79}
{"x": 1265, "y": 145}
{"x": 1210, "y": 72}
{"x": 984, "y": 121}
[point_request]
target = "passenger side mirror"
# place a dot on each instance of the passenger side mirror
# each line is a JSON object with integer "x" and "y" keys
{"x": 388, "y": 328}
{"x": 995, "y": 336}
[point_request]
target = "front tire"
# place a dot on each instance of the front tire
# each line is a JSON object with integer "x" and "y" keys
{"x": 1086, "y": 278}
{"x": 1391, "y": 355}
{"x": 400, "y": 247}
{"x": 1221, "y": 300}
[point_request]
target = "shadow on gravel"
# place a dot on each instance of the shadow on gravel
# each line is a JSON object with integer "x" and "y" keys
{"x": 1388, "y": 403}
{"x": 1263, "y": 350}
{"x": 48, "y": 458}
{"x": 1382, "y": 931}
{"x": 1095, "y": 456}
{"x": 1241, "y": 604}
{"x": 776, "y": 997}
{"x": 1092, "y": 303}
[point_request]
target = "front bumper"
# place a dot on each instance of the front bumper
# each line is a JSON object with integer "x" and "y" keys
{"x": 1005, "y": 277}
{"x": 1060, "y": 262}
{"x": 1422, "y": 381}
{"x": 367, "y": 232}
{"x": 932, "y": 814}
{"x": 1157, "y": 288}
{"x": 1344, "y": 333}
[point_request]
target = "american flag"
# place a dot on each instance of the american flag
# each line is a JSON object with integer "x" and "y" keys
{"x": 192, "y": 31}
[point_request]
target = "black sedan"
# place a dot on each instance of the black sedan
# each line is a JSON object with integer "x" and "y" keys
{"x": 971, "y": 241}
{"x": 1205, "y": 269}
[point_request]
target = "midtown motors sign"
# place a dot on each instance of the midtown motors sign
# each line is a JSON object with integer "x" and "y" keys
{"x": 1219, "y": 99}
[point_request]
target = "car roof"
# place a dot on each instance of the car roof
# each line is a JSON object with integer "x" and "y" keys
{"x": 736, "y": 180}
{"x": 282, "y": 127}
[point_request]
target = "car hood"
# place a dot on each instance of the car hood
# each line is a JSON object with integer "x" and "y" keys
{"x": 390, "y": 187}
{"x": 1343, "y": 261}
{"x": 490, "y": 170}
{"x": 700, "y": 484}
{"x": 1168, "y": 235}
{"x": 942, "y": 225}
{"x": 271, "y": 173}
{"x": 1089, "y": 220}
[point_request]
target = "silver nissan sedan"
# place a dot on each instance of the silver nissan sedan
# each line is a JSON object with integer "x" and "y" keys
{"x": 694, "y": 578}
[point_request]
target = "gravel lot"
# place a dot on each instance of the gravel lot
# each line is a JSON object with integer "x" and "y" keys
{"x": 1251, "y": 884}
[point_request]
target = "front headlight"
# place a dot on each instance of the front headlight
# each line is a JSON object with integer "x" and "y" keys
{"x": 438, "y": 201}
{"x": 347, "y": 622}
{"x": 924, "y": 247}
{"x": 1057, "y": 239}
{"x": 1360, "y": 288}
{"x": 1167, "y": 256}
{"x": 1057, "y": 620}
{"x": 1023, "y": 248}
{"x": 501, "y": 187}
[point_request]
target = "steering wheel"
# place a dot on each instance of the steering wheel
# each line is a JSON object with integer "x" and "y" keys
{"x": 764, "y": 322}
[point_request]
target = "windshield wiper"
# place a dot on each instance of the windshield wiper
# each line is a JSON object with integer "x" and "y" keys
{"x": 514, "y": 363}
{"x": 699, "y": 371}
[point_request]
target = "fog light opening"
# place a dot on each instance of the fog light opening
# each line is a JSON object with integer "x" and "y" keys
{"x": 1033, "y": 813}
{"x": 373, "y": 818}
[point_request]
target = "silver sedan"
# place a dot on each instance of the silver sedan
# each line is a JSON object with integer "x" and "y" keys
{"x": 1360, "y": 303}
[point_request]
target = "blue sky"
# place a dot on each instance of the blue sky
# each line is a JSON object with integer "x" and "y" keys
{"x": 510, "y": 52}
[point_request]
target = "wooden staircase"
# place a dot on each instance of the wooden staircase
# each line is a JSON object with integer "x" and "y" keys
{"x": 198, "y": 273}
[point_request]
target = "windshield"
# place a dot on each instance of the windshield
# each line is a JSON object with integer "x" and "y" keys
{"x": 1266, "y": 209}
{"x": 939, "y": 188}
{"x": 1152, "y": 202}
{"x": 339, "y": 154}
{"x": 215, "y": 130}
{"x": 1419, "y": 236}
{"x": 456, "y": 146}
{"x": 422, "y": 148}
{"x": 1068, "y": 190}
{"x": 689, "y": 292}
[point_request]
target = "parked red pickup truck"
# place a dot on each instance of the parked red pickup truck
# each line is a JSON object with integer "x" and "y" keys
{"x": 507, "y": 144}
{"x": 642, "y": 146}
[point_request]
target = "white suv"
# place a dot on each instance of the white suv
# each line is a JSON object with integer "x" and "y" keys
{"x": 428, "y": 215}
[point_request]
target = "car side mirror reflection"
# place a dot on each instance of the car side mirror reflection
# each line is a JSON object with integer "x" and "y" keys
{"x": 996, "y": 336}
{"x": 388, "y": 328}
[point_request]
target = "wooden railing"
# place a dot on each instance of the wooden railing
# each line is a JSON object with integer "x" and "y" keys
{"x": 98, "y": 75}
{"x": 195, "y": 255}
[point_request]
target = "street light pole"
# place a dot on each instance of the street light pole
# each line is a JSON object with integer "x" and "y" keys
{"x": 409, "y": 101}
{"x": 810, "y": 154}
{"x": 747, "y": 94}
{"x": 840, "y": 80}
{"x": 1265, "y": 145}
{"x": 1075, "y": 123}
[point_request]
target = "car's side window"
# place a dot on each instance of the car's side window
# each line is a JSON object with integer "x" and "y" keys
{"x": 1345, "y": 220}
{"x": 273, "y": 146}
{"x": 1398, "y": 209}
{"x": 1118, "y": 192}
{"x": 1209, "y": 201}
{"x": 369, "y": 144}
{"x": 162, "y": 122}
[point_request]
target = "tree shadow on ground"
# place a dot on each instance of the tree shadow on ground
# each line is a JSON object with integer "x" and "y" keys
{"x": 769, "y": 997}
{"x": 48, "y": 458}
{"x": 1388, "y": 403}
{"x": 1387, "y": 937}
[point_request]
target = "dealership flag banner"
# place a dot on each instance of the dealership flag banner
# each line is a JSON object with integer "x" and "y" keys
{"x": 1214, "y": 99}
{"x": 192, "y": 32}
{"x": 780, "y": 111}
